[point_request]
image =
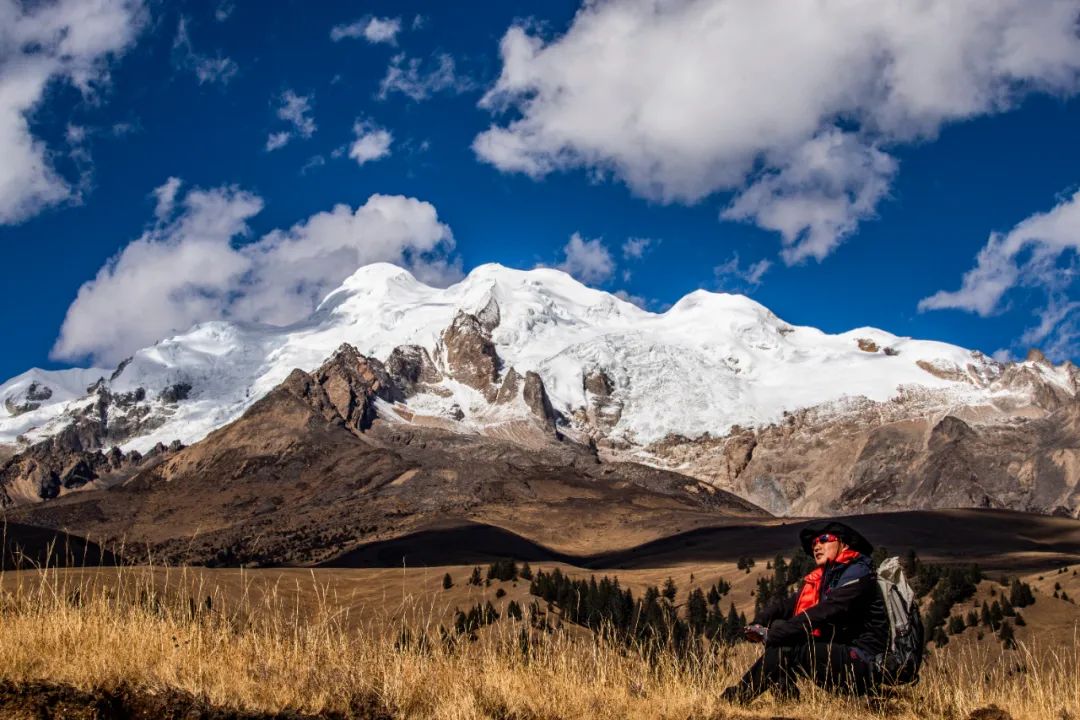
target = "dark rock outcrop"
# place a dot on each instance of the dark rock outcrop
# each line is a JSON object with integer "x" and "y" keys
{"x": 411, "y": 367}
{"x": 510, "y": 387}
{"x": 352, "y": 383}
{"x": 62, "y": 462}
{"x": 536, "y": 398}
{"x": 603, "y": 410}
{"x": 30, "y": 400}
{"x": 470, "y": 355}
{"x": 175, "y": 393}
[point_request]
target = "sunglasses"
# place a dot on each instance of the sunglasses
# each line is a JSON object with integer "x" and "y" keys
{"x": 825, "y": 538}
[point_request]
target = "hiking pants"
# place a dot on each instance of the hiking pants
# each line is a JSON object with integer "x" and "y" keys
{"x": 831, "y": 666}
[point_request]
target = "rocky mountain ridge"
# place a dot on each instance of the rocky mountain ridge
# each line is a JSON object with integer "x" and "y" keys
{"x": 324, "y": 462}
{"x": 717, "y": 388}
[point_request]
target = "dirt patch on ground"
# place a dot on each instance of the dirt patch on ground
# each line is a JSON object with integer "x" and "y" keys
{"x": 47, "y": 701}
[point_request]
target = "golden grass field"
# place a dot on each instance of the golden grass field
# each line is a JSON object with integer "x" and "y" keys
{"x": 327, "y": 641}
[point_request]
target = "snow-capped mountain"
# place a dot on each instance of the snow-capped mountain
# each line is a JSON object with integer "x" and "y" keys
{"x": 661, "y": 387}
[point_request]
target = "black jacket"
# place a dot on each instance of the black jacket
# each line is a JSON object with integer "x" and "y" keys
{"x": 851, "y": 612}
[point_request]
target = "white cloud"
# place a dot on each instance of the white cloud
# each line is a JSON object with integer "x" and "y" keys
{"x": 315, "y": 161}
{"x": 371, "y": 143}
{"x": 276, "y": 140}
{"x": 207, "y": 69}
{"x": 191, "y": 269}
{"x": 372, "y": 29}
{"x": 635, "y": 248}
{"x": 224, "y": 10}
{"x": 1040, "y": 253}
{"x": 70, "y": 41}
{"x": 733, "y": 277}
{"x": 818, "y": 195}
{"x": 296, "y": 111}
{"x": 293, "y": 270}
{"x": 407, "y": 76}
{"x": 171, "y": 277}
{"x": 793, "y": 103}
{"x": 165, "y": 194}
{"x": 587, "y": 260}
{"x": 382, "y": 30}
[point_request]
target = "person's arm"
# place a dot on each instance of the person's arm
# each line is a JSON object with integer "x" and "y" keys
{"x": 827, "y": 612}
{"x": 779, "y": 608}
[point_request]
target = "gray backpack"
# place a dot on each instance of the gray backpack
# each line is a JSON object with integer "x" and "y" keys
{"x": 901, "y": 661}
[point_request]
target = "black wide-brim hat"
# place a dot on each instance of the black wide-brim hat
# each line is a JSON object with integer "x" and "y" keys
{"x": 849, "y": 535}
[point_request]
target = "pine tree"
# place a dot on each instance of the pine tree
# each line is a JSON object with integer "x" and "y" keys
{"x": 1020, "y": 594}
{"x": 984, "y": 616}
{"x": 474, "y": 619}
{"x": 447, "y": 581}
{"x": 1020, "y": 622}
{"x": 956, "y": 625}
{"x": 476, "y": 578}
{"x": 713, "y": 597}
{"x": 670, "y": 590}
{"x": 1006, "y": 607}
{"x": 697, "y": 611}
{"x": 996, "y": 616}
{"x": 1006, "y": 636}
{"x": 525, "y": 572}
{"x": 513, "y": 610}
{"x": 733, "y": 626}
{"x": 972, "y": 619}
{"x": 745, "y": 563}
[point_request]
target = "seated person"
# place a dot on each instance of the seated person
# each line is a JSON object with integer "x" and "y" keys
{"x": 830, "y": 631}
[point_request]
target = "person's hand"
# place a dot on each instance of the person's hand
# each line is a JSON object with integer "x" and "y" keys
{"x": 755, "y": 633}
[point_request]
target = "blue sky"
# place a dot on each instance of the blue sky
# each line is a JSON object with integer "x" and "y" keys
{"x": 522, "y": 126}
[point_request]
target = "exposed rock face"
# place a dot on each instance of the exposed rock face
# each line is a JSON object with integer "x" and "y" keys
{"x": 411, "y": 368}
{"x": 175, "y": 393}
{"x": 1036, "y": 355}
{"x": 510, "y": 387}
{"x": 30, "y": 400}
{"x": 111, "y": 419}
{"x": 490, "y": 315}
{"x": 1044, "y": 395}
{"x": 598, "y": 383}
{"x": 536, "y": 398}
{"x": 352, "y": 382}
{"x": 62, "y": 463}
{"x": 867, "y": 345}
{"x": 470, "y": 355}
{"x": 603, "y": 410}
{"x": 738, "y": 451}
{"x": 886, "y": 456}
